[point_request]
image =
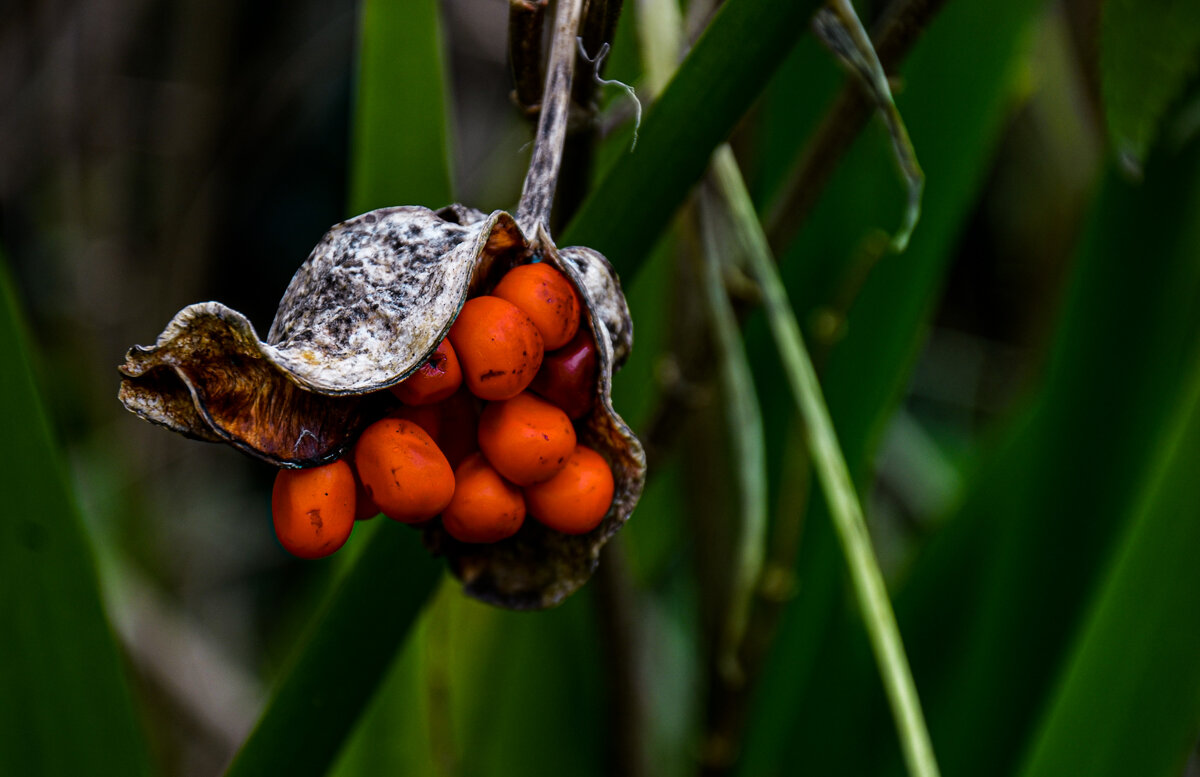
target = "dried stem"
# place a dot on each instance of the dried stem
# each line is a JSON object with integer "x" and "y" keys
{"x": 745, "y": 429}
{"x": 624, "y": 649}
{"x": 893, "y": 35}
{"x": 526, "y": 19}
{"x": 599, "y": 26}
{"x": 537, "y": 195}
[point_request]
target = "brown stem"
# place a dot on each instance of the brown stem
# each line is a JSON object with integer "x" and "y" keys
{"x": 624, "y": 653}
{"x": 894, "y": 35}
{"x": 537, "y": 195}
{"x": 526, "y": 18}
{"x": 599, "y": 26}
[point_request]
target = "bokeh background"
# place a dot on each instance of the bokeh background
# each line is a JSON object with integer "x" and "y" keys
{"x": 1010, "y": 392}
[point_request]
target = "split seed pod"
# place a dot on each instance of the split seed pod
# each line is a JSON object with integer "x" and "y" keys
{"x": 368, "y": 307}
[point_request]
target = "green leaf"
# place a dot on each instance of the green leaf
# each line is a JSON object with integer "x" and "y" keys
{"x": 866, "y": 370}
{"x": 342, "y": 657}
{"x": 1148, "y": 51}
{"x": 409, "y": 727}
{"x": 991, "y": 608}
{"x": 486, "y": 692}
{"x": 536, "y": 703}
{"x": 633, "y": 202}
{"x": 401, "y": 133}
{"x": 67, "y": 708}
{"x": 1129, "y": 702}
{"x": 1046, "y": 517}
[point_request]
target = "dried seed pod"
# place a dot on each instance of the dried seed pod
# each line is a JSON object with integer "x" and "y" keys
{"x": 368, "y": 307}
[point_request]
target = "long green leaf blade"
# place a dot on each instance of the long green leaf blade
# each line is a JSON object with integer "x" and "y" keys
{"x": 344, "y": 655}
{"x": 400, "y": 152}
{"x": 840, "y": 495}
{"x": 991, "y": 607}
{"x": 1130, "y": 700}
{"x": 66, "y": 707}
{"x": 1047, "y": 516}
{"x": 744, "y": 425}
{"x": 866, "y": 370}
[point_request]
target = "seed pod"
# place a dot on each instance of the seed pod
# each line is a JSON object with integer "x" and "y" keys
{"x": 366, "y": 310}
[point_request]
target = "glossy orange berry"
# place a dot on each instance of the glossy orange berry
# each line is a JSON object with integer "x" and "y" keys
{"x": 498, "y": 345}
{"x": 547, "y": 297}
{"x": 526, "y": 438}
{"x": 439, "y": 377}
{"x": 403, "y": 470}
{"x": 485, "y": 507}
{"x": 576, "y": 499}
{"x": 568, "y": 375}
{"x": 313, "y": 509}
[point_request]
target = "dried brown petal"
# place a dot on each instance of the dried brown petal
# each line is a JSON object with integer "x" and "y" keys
{"x": 368, "y": 307}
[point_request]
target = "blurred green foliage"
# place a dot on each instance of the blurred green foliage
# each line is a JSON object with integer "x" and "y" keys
{"x": 1149, "y": 50}
{"x": 66, "y": 705}
{"x": 1016, "y": 396}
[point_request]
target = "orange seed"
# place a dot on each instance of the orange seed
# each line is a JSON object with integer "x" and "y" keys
{"x": 313, "y": 509}
{"x": 526, "y": 438}
{"x": 403, "y": 470}
{"x": 576, "y": 499}
{"x": 485, "y": 507}
{"x": 436, "y": 379}
{"x": 499, "y": 347}
{"x": 547, "y": 297}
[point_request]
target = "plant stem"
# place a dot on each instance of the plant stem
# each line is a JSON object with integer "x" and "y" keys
{"x": 525, "y": 21}
{"x": 839, "y": 28}
{"x": 748, "y": 449}
{"x": 537, "y": 195}
{"x": 866, "y": 579}
{"x": 623, "y": 637}
{"x": 894, "y": 35}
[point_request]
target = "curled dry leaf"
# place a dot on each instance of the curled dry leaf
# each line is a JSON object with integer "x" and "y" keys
{"x": 368, "y": 307}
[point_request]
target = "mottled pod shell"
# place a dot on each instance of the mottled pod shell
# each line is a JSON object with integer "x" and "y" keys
{"x": 367, "y": 308}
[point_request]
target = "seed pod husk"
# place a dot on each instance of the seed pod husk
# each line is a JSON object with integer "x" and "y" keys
{"x": 364, "y": 311}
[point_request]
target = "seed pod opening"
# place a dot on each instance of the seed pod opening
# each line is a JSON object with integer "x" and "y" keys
{"x": 365, "y": 310}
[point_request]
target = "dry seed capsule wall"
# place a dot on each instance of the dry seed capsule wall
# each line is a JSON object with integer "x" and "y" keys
{"x": 367, "y": 309}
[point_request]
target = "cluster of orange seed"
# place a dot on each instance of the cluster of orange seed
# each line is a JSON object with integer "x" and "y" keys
{"x": 484, "y": 433}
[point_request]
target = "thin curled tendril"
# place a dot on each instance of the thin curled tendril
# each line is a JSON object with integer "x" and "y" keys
{"x": 597, "y": 62}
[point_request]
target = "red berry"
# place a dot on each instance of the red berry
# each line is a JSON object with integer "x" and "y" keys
{"x": 568, "y": 375}
{"x": 525, "y": 438}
